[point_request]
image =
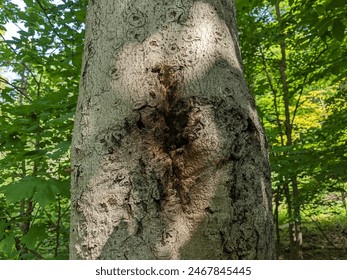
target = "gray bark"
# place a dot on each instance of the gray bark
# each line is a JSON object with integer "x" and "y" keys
{"x": 169, "y": 157}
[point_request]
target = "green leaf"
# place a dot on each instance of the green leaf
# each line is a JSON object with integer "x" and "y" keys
{"x": 3, "y": 226}
{"x": 43, "y": 191}
{"x": 333, "y": 4}
{"x": 320, "y": 9}
{"x": 323, "y": 26}
{"x": 37, "y": 233}
{"x": 22, "y": 189}
{"x": 64, "y": 188}
{"x": 44, "y": 194}
{"x": 241, "y": 4}
{"x": 80, "y": 15}
{"x": 338, "y": 30}
{"x": 5, "y": 95}
{"x": 61, "y": 187}
{"x": 7, "y": 244}
{"x": 59, "y": 150}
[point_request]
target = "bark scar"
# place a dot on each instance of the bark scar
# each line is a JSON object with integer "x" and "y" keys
{"x": 176, "y": 136}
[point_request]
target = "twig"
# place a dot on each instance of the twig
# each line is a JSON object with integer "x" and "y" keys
{"x": 25, "y": 66}
{"x": 16, "y": 88}
{"x": 321, "y": 230}
{"x": 51, "y": 24}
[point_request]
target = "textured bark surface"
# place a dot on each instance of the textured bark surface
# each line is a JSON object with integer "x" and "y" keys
{"x": 169, "y": 158}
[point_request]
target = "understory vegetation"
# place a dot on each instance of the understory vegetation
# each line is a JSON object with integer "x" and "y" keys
{"x": 295, "y": 63}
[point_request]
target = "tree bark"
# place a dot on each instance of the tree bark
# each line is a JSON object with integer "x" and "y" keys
{"x": 169, "y": 157}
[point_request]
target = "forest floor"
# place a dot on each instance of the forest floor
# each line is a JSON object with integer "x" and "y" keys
{"x": 322, "y": 240}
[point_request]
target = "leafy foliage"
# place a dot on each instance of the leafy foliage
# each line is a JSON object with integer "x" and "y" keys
{"x": 305, "y": 40}
{"x": 36, "y": 121}
{"x": 295, "y": 63}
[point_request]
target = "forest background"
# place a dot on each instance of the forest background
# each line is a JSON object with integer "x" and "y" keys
{"x": 295, "y": 63}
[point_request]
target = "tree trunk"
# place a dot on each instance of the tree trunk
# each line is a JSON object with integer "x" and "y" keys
{"x": 169, "y": 157}
{"x": 295, "y": 222}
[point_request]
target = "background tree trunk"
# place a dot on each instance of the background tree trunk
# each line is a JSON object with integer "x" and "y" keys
{"x": 293, "y": 200}
{"x": 169, "y": 157}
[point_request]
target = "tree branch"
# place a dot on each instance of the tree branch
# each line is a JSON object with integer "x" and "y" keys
{"x": 303, "y": 84}
{"x": 51, "y": 24}
{"x": 16, "y": 88}
{"x": 25, "y": 66}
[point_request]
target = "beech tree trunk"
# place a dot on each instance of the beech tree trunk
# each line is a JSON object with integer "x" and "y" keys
{"x": 169, "y": 157}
